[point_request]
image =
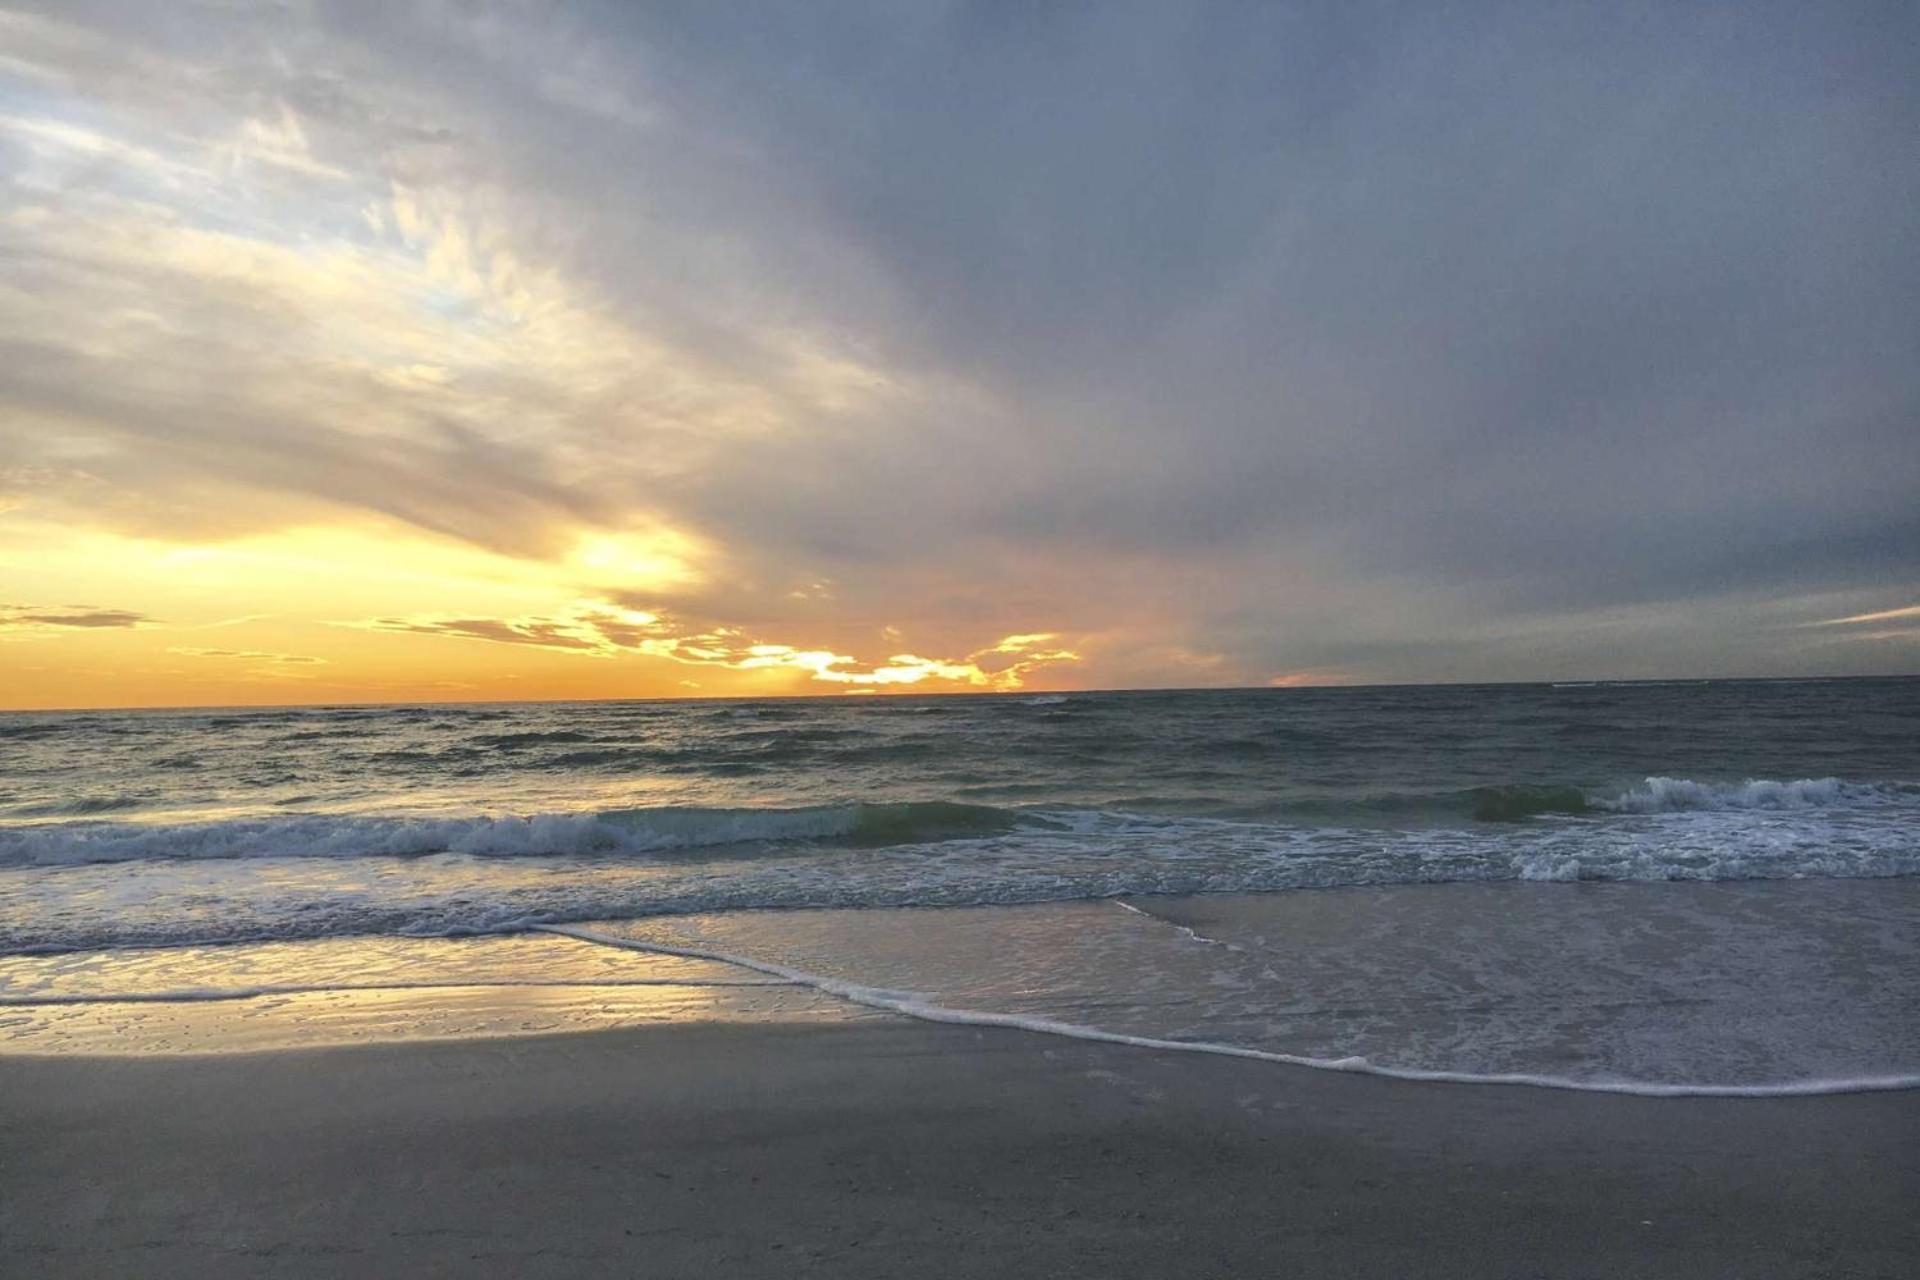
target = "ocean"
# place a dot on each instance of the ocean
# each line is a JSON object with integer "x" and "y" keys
{"x": 1651, "y": 886}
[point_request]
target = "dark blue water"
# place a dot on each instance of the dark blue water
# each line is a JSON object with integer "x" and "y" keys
{"x": 214, "y": 825}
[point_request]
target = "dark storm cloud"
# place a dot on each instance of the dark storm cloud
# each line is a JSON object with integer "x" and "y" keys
{"x": 1609, "y": 292}
{"x": 1491, "y": 340}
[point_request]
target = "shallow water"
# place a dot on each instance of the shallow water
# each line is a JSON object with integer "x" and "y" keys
{"x": 1800, "y": 987}
{"x": 342, "y": 991}
{"x": 1723, "y": 987}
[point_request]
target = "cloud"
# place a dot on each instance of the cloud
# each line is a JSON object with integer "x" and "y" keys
{"x": 1882, "y": 615}
{"x": 1231, "y": 341}
{"x": 28, "y": 617}
{"x": 578, "y": 634}
{"x": 1866, "y": 629}
{"x": 606, "y": 631}
{"x": 256, "y": 665}
{"x": 251, "y": 655}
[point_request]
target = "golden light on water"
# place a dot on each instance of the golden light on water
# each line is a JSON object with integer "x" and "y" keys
{"x": 283, "y": 995}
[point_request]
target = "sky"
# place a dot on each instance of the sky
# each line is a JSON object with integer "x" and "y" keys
{"x": 389, "y": 352}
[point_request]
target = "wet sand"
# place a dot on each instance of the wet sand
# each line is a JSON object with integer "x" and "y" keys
{"x": 884, "y": 1147}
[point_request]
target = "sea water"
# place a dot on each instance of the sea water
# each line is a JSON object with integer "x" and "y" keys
{"x": 1699, "y": 886}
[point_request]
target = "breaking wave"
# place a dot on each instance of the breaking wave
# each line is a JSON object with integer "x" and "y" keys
{"x": 666, "y": 830}
{"x": 613, "y": 832}
{"x": 1679, "y": 795}
{"x": 1521, "y": 801}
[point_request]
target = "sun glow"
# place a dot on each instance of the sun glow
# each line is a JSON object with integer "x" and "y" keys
{"x": 368, "y": 611}
{"x": 653, "y": 560}
{"x": 432, "y": 431}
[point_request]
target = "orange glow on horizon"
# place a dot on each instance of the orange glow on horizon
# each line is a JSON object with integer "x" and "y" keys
{"x": 360, "y": 612}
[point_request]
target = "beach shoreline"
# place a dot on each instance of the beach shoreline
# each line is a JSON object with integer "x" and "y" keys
{"x": 884, "y": 1146}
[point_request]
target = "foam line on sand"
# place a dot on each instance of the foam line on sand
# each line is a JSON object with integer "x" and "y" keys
{"x": 912, "y": 1005}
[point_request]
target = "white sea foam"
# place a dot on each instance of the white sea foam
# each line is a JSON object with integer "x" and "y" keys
{"x": 914, "y": 1005}
{"x": 1192, "y": 934}
{"x": 1677, "y": 795}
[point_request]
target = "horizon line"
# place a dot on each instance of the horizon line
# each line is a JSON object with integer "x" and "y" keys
{"x": 1585, "y": 682}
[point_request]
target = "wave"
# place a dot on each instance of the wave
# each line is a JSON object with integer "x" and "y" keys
{"x": 659, "y": 831}
{"x": 30, "y": 730}
{"x": 78, "y": 807}
{"x": 610, "y": 832}
{"x": 510, "y": 741}
{"x": 1521, "y": 801}
{"x": 1516, "y": 803}
{"x": 1680, "y": 795}
{"x": 913, "y": 856}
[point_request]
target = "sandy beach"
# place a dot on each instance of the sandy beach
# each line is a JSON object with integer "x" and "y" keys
{"x": 887, "y": 1147}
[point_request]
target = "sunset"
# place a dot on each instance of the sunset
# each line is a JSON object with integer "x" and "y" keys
{"x": 328, "y": 328}
{"x": 959, "y": 638}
